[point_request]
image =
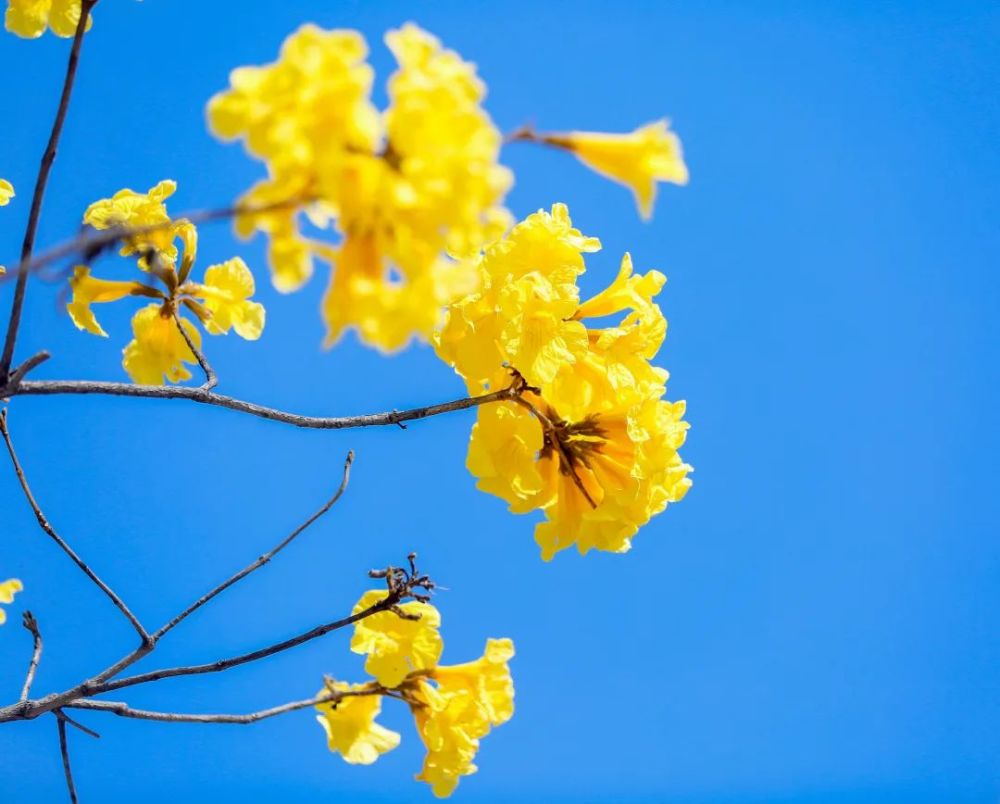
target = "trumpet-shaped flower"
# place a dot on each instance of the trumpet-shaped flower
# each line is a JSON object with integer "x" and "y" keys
{"x": 457, "y": 709}
{"x": 158, "y": 350}
{"x": 590, "y": 440}
{"x": 29, "y": 18}
{"x": 396, "y": 646}
{"x": 8, "y": 589}
{"x": 408, "y": 193}
{"x": 88, "y": 290}
{"x": 6, "y": 192}
{"x": 350, "y": 726}
{"x": 127, "y": 208}
{"x": 226, "y": 290}
{"x": 650, "y": 154}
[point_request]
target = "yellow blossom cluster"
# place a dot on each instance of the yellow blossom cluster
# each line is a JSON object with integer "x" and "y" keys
{"x": 8, "y": 589}
{"x": 30, "y": 18}
{"x": 590, "y": 440}
{"x": 6, "y": 192}
{"x": 409, "y": 191}
{"x": 453, "y": 706}
{"x": 220, "y": 302}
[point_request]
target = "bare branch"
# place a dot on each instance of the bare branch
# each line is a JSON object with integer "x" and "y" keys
{"x": 28, "y": 365}
{"x": 64, "y": 748}
{"x": 59, "y": 713}
{"x": 44, "y": 169}
{"x": 124, "y": 710}
{"x": 29, "y": 622}
{"x": 210, "y": 379}
{"x": 394, "y": 417}
{"x": 45, "y": 526}
{"x": 265, "y": 558}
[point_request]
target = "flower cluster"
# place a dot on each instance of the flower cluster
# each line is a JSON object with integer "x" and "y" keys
{"x": 30, "y": 18}
{"x": 453, "y": 706}
{"x": 163, "y": 341}
{"x": 590, "y": 440}
{"x": 8, "y": 589}
{"x": 403, "y": 189}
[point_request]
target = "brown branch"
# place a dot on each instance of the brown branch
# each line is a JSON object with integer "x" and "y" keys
{"x": 211, "y": 380}
{"x": 124, "y": 710}
{"x": 29, "y": 622}
{"x": 265, "y": 558}
{"x": 48, "y": 529}
{"x": 59, "y": 713}
{"x": 91, "y": 243}
{"x": 395, "y": 417}
{"x": 225, "y": 664}
{"x": 64, "y": 748}
{"x": 44, "y": 169}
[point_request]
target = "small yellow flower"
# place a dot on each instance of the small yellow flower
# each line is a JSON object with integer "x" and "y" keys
{"x": 639, "y": 160}
{"x": 8, "y": 589}
{"x": 226, "y": 291}
{"x": 396, "y": 646}
{"x": 350, "y": 726}
{"x": 6, "y": 192}
{"x": 158, "y": 350}
{"x": 132, "y": 209}
{"x": 459, "y": 707}
{"x": 29, "y": 18}
{"x": 88, "y": 290}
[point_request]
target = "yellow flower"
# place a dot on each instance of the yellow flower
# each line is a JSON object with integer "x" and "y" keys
{"x": 6, "y": 192}
{"x": 88, "y": 290}
{"x": 29, "y": 18}
{"x": 639, "y": 160}
{"x": 8, "y": 589}
{"x": 396, "y": 646}
{"x": 350, "y": 726}
{"x": 158, "y": 350}
{"x": 455, "y": 710}
{"x": 591, "y": 442}
{"x": 226, "y": 290}
{"x": 409, "y": 193}
{"x": 128, "y": 208}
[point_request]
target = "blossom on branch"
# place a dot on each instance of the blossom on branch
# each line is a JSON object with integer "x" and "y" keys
{"x": 221, "y": 302}
{"x": 591, "y": 442}
{"x": 408, "y": 192}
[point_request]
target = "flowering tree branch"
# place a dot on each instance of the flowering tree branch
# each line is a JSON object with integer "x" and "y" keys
{"x": 44, "y": 169}
{"x": 44, "y": 524}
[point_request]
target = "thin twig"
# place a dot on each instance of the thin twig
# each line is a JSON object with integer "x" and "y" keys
{"x": 48, "y": 529}
{"x": 44, "y": 169}
{"x": 59, "y": 713}
{"x": 28, "y": 365}
{"x": 64, "y": 749}
{"x": 90, "y": 243}
{"x": 393, "y": 417}
{"x": 211, "y": 380}
{"x": 124, "y": 710}
{"x": 225, "y": 664}
{"x": 29, "y": 622}
{"x": 265, "y": 558}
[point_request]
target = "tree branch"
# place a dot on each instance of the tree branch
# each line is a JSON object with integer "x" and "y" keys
{"x": 124, "y": 710}
{"x": 45, "y": 526}
{"x": 211, "y": 380}
{"x": 29, "y": 622}
{"x": 44, "y": 169}
{"x": 265, "y": 558}
{"x": 64, "y": 749}
{"x": 206, "y": 397}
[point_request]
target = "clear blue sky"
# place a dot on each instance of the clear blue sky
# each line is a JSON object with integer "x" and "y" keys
{"x": 817, "y": 621}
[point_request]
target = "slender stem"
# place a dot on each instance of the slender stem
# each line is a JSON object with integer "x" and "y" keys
{"x": 59, "y": 713}
{"x": 211, "y": 380}
{"x": 29, "y": 622}
{"x": 225, "y": 664}
{"x": 265, "y": 558}
{"x": 124, "y": 710}
{"x": 64, "y": 749}
{"x": 44, "y": 169}
{"x": 397, "y": 417}
{"x": 48, "y": 529}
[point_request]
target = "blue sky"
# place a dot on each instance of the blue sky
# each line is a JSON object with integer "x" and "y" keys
{"x": 817, "y": 621}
